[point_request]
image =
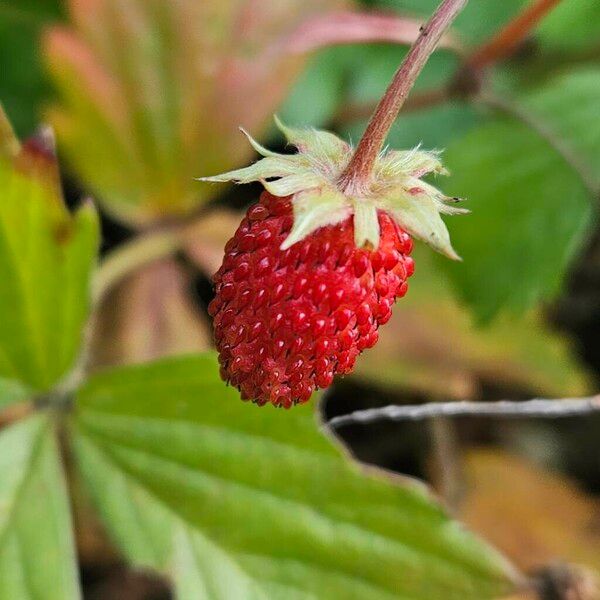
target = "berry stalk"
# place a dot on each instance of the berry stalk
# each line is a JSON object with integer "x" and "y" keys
{"x": 356, "y": 176}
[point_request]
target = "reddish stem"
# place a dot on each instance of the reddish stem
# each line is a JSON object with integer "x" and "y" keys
{"x": 509, "y": 37}
{"x": 357, "y": 174}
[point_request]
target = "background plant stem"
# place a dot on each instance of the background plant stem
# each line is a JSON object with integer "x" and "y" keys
{"x": 565, "y": 407}
{"x": 505, "y": 42}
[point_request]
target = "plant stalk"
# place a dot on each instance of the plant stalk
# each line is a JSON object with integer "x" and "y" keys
{"x": 357, "y": 174}
{"x": 511, "y": 35}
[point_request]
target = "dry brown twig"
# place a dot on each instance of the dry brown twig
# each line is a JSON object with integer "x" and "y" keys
{"x": 538, "y": 407}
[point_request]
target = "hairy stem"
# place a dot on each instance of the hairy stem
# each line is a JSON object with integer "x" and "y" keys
{"x": 567, "y": 407}
{"x": 357, "y": 174}
{"x": 511, "y": 35}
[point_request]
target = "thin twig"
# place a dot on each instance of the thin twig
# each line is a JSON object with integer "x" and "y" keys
{"x": 587, "y": 176}
{"x": 508, "y": 39}
{"x": 567, "y": 407}
{"x": 361, "y": 164}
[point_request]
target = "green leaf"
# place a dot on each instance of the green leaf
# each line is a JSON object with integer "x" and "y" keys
{"x": 530, "y": 206}
{"x": 37, "y": 554}
{"x": 569, "y": 107}
{"x": 572, "y": 25}
{"x": 46, "y": 259}
{"x": 476, "y": 22}
{"x": 12, "y": 391}
{"x": 319, "y": 90}
{"x": 203, "y": 570}
{"x": 284, "y": 506}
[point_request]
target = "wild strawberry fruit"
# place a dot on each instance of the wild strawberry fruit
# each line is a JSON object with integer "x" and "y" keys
{"x": 312, "y": 271}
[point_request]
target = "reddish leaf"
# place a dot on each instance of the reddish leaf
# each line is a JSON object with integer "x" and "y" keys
{"x": 153, "y": 92}
{"x": 345, "y": 27}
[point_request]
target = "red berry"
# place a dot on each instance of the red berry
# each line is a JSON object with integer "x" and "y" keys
{"x": 312, "y": 308}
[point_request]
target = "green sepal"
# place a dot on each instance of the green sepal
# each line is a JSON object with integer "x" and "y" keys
{"x": 311, "y": 178}
{"x": 312, "y": 208}
{"x": 421, "y": 218}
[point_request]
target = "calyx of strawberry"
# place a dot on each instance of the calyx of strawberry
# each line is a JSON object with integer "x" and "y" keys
{"x": 311, "y": 177}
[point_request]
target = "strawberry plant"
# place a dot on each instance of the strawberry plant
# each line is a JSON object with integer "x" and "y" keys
{"x": 123, "y": 440}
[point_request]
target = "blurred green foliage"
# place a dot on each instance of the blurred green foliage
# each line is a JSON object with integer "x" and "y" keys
{"x": 477, "y": 21}
{"x": 531, "y": 209}
{"x": 24, "y": 85}
{"x": 572, "y": 25}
